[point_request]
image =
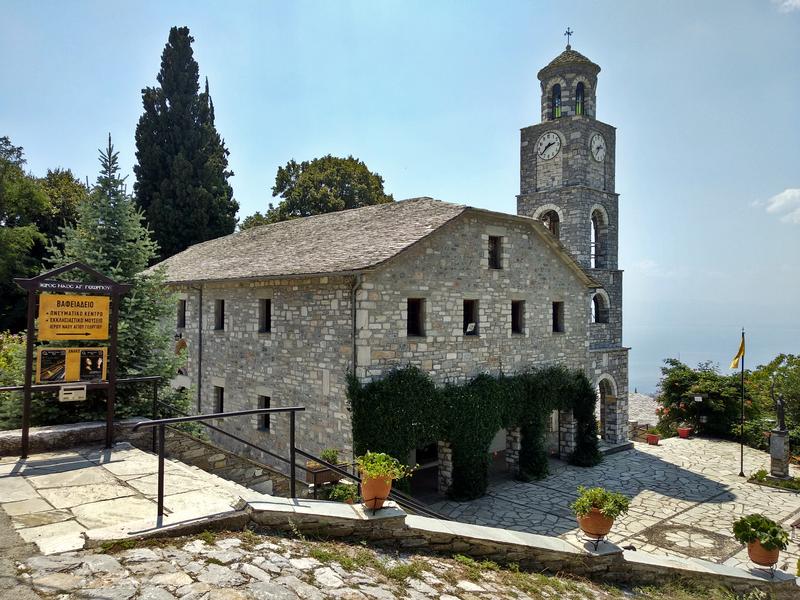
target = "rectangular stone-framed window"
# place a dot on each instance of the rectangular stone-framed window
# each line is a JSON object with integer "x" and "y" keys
{"x": 219, "y": 399}
{"x": 558, "y": 317}
{"x": 415, "y": 320}
{"x": 263, "y": 419}
{"x": 181, "y": 322}
{"x": 219, "y": 314}
{"x": 471, "y": 317}
{"x": 264, "y": 315}
{"x": 518, "y": 317}
{"x": 495, "y": 252}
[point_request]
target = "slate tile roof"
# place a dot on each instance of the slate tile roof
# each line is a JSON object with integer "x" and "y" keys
{"x": 566, "y": 58}
{"x": 344, "y": 241}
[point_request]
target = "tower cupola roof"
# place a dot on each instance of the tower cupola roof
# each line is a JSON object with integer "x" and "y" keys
{"x": 568, "y": 58}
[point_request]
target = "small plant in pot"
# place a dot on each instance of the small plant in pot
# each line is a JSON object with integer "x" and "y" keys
{"x": 684, "y": 430}
{"x": 596, "y": 508}
{"x": 344, "y": 492}
{"x": 378, "y": 470}
{"x": 319, "y": 474}
{"x": 653, "y": 436}
{"x": 763, "y": 537}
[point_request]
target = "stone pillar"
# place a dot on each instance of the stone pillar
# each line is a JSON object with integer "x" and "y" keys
{"x": 566, "y": 433}
{"x": 778, "y": 453}
{"x": 445, "y": 467}
{"x": 513, "y": 446}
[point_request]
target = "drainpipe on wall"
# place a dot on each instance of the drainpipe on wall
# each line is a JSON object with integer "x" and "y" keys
{"x": 357, "y": 281}
{"x": 199, "y": 350}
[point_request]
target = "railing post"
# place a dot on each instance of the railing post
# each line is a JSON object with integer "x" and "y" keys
{"x": 161, "y": 450}
{"x": 155, "y": 411}
{"x": 292, "y": 483}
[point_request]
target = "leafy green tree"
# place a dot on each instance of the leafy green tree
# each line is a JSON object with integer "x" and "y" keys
{"x": 111, "y": 237}
{"x": 182, "y": 171}
{"x": 23, "y": 202}
{"x": 322, "y": 185}
{"x": 65, "y": 193}
{"x": 784, "y": 371}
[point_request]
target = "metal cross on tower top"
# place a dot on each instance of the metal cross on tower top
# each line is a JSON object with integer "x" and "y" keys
{"x": 568, "y": 33}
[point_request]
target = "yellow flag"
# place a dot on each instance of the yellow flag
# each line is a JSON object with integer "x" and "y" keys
{"x": 739, "y": 355}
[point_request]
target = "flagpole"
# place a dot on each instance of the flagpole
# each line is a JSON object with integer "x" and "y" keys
{"x": 741, "y": 422}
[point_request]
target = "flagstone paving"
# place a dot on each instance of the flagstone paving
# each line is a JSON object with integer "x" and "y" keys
{"x": 685, "y": 495}
{"x": 53, "y": 498}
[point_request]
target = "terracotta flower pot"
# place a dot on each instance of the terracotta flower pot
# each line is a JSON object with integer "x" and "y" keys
{"x": 595, "y": 524}
{"x": 375, "y": 491}
{"x": 652, "y": 439}
{"x": 684, "y": 432}
{"x": 759, "y": 555}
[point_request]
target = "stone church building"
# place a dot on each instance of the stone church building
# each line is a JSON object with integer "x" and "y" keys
{"x": 278, "y": 315}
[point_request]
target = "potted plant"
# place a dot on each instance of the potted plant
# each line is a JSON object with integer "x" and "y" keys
{"x": 378, "y": 470}
{"x": 596, "y": 508}
{"x": 764, "y": 538}
{"x": 684, "y": 430}
{"x": 319, "y": 474}
{"x": 653, "y": 436}
{"x": 344, "y": 492}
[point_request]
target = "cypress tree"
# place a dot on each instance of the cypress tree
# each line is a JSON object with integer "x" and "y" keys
{"x": 182, "y": 171}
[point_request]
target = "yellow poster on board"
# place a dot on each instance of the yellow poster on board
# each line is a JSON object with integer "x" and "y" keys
{"x": 73, "y": 317}
{"x": 61, "y": 365}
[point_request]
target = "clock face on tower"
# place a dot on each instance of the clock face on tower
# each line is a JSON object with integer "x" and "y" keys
{"x": 597, "y": 144}
{"x": 548, "y": 145}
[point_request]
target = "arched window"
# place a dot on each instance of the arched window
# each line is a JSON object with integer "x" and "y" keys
{"x": 599, "y": 236}
{"x": 556, "y": 101}
{"x": 551, "y": 221}
{"x": 579, "y": 99}
{"x": 599, "y": 308}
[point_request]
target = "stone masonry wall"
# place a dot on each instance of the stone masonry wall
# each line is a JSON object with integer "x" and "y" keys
{"x": 302, "y": 361}
{"x": 451, "y": 266}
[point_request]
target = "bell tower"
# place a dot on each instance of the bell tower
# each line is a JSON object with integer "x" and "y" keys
{"x": 567, "y": 164}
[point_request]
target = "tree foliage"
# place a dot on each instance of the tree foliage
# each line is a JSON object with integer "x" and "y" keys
{"x": 322, "y": 185}
{"x": 182, "y": 171}
{"x": 31, "y": 211}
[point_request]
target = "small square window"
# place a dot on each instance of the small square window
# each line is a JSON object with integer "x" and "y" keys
{"x": 181, "y": 314}
{"x": 415, "y": 325}
{"x": 264, "y": 315}
{"x": 219, "y": 314}
{"x": 558, "y": 317}
{"x": 495, "y": 252}
{"x": 470, "y": 317}
{"x": 263, "y": 419}
{"x": 518, "y": 316}
{"x": 219, "y": 399}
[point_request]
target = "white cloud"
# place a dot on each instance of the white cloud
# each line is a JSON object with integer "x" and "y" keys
{"x": 787, "y": 5}
{"x": 787, "y": 203}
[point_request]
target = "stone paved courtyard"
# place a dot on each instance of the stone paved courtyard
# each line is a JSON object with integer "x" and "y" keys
{"x": 685, "y": 496}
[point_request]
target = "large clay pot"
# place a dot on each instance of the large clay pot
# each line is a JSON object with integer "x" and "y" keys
{"x": 652, "y": 439}
{"x": 595, "y": 524}
{"x": 684, "y": 432}
{"x": 375, "y": 491}
{"x": 759, "y": 555}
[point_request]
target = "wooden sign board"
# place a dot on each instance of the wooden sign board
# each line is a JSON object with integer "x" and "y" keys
{"x": 73, "y": 317}
{"x": 57, "y": 365}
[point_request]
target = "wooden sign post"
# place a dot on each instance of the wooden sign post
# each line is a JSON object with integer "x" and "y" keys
{"x": 72, "y": 310}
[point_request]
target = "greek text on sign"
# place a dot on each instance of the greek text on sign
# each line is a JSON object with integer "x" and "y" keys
{"x": 73, "y": 317}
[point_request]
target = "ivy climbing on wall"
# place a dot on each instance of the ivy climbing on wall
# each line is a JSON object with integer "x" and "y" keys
{"x": 405, "y": 410}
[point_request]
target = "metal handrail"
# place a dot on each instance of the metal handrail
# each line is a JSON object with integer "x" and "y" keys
{"x": 228, "y": 434}
{"x": 89, "y": 384}
{"x": 162, "y": 424}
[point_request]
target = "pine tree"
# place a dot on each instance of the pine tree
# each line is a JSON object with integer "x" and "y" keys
{"x": 182, "y": 171}
{"x": 110, "y": 236}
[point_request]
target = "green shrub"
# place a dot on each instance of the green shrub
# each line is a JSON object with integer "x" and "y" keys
{"x": 342, "y": 492}
{"x": 330, "y": 455}
{"x": 378, "y": 465}
{"x": 758, "y": 527}
{"x": 610, "y": 504}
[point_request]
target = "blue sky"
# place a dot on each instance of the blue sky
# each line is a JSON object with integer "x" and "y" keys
{"x": 705, "y": 96}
